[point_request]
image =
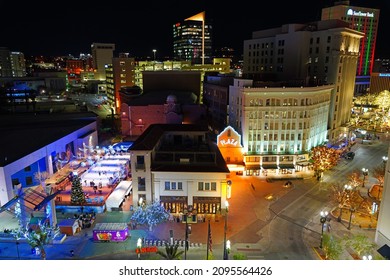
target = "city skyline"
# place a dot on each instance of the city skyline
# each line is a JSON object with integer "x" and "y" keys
{"x": 142, "y": 27}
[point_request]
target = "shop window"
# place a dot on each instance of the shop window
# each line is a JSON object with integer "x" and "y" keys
{"x": 141, "y": 184}
{"x": 15, "y": 182}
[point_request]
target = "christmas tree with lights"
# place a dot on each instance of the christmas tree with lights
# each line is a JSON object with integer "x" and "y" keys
{"x": 77, "y": 195}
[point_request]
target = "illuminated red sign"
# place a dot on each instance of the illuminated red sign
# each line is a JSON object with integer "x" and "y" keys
{"x": 144, "y": 250}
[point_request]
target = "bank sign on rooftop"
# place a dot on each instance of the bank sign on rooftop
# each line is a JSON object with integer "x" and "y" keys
{"x": 351, "y": 12}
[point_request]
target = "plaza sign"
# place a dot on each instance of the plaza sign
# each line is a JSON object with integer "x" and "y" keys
{"x": 228, "y": 138}
{"x": 228, "y": 141}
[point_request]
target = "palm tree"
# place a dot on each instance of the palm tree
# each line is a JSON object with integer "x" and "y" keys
{"x": 171, "y": 252}
{"x": 239, "y": 256}
{"x": 360, "y": 243}
{"x": 332, "y": 247}
{"x": 38, "y": 237}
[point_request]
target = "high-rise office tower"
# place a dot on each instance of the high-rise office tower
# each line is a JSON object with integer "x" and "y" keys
{"x": 191, "y": 38}
{"x": 361, "y": 19}
{"x": 102, "y": 54}
{"x": 316, "y": 53}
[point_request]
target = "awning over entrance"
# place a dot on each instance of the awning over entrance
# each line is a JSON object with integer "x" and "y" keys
{"x": 236, "y": 167}
{"x": 173, "y": 199}
{"x": 252, "y": 167}
{"x": 270, "y": 166}
{"x": 200, "y": 199}
{"x": 304, "y": 163}
{"x": 30, "y": 199}
{"x": 287, "y": 166}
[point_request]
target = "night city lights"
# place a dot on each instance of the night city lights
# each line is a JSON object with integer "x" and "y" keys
{"x": 227, "y": 143}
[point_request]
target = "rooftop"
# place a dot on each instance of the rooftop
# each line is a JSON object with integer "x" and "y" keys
{"x": 22, "y": 134}
{"x": 186, "y": 156}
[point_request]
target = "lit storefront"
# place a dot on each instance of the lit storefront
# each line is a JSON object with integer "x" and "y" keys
{"x": 206, "y": 205}
{"x": 174, "y": 204}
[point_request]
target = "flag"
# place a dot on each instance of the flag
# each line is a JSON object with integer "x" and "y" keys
{"x": 197, "y": 17}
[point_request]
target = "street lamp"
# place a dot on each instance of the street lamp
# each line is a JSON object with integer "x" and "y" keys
{"x": 227, "y": 249}
{"x": 225, "y": 252}
{"x": 367, "y": 258}
{"x": 385, "y": 158}
{"x": 365, "y": 173}
{"x": 351, "y": 210}
{"x": 139, "y": 246}
{"x": 186, "y": 234}
{"x": 154, "y": 54}
{"x": 363, "y": 132}
{"x": 17, "y": 249}
{"x": 229, "y": 189}
{"x": 323, "y": 219}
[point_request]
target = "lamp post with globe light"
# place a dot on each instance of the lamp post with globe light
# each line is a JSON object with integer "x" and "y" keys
{"x": 367, "y": 258}
{"x": 154, "y": 54}
{"x": 365, "y": 173}
{"x": 186, "y": 234}
{"x": 225, "y": 252}
{"x": 228, "y": 246}
{"x": 323, "y": 218}
{"x": 139, "y": 246}
{"x": 385, "y": 159}
{"x": 363, "y": 132}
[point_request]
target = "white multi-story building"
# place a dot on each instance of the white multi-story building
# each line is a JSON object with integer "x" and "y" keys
{"x": 316, "y": 53}
{"x": 278, "y": 125}
{"x": 177, "y": 165}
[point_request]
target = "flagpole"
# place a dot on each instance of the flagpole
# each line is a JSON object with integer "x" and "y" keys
{"x": 208, "y": 241}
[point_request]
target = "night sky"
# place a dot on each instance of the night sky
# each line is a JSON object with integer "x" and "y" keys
{"x": 138, "y": 27}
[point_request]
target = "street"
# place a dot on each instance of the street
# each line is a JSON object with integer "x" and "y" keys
{"x": 266, "y": 220}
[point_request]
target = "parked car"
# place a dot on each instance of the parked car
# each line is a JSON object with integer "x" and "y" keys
{"x": 350, "y": 155}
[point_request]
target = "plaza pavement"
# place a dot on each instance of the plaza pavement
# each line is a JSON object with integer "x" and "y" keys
{"x": 248, "y": 218}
